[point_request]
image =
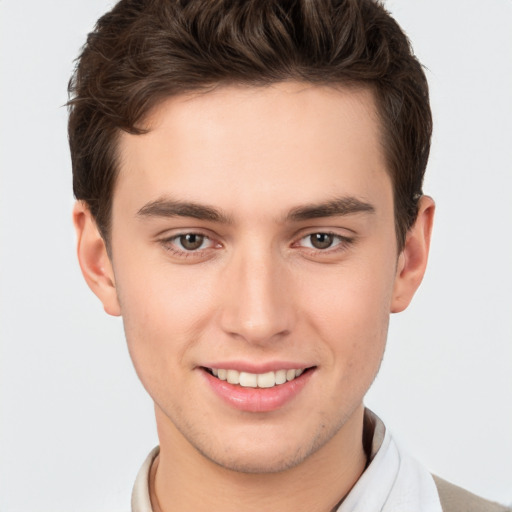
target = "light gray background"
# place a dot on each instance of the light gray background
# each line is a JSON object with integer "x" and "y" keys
{"x": 75, "y": 424}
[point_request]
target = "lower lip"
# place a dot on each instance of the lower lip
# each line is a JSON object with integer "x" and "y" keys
{"x": 257, "y": 399}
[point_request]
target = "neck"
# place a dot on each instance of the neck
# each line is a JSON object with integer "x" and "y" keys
{"x": 182, "y": 479}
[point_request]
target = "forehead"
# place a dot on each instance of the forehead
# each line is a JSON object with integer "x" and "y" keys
{"x": 289, "y": 143}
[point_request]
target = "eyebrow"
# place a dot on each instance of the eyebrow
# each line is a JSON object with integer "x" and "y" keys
{"x": 341, "y": 206}
{"x": 336, "y": 207}
{"x": 172, "y": 208}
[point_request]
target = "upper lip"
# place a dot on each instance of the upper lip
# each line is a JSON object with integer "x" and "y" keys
{"x": 250, "y": 367}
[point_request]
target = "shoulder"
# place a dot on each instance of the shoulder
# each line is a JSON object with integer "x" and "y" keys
{"x": 456, "y": 499}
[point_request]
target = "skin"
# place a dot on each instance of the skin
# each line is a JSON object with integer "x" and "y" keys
{"x": 256, "y": 290}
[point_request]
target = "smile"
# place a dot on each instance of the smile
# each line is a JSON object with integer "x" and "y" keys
{"x": 256, "y": 380}
{"x": 257, "y": 392}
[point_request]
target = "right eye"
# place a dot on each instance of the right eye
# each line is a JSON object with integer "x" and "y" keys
{"x": 191, "y": 241}
{"x": 190, "y": 245}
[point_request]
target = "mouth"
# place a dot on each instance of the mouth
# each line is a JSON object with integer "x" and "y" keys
{"x": 257, "y": 380}
{"x": 262, "y": 392}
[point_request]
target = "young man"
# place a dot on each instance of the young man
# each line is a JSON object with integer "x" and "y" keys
{"x": 249, "y": 184}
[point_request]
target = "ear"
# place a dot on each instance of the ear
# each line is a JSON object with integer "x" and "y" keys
{"x": 94, "y": 259}
{"x": 412, "y": 261}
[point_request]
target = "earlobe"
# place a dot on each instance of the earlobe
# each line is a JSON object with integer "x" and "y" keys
{"x": 412, "y": 261}
{"x": 94, "y": 259}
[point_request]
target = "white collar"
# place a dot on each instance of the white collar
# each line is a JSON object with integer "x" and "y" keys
{"x": 141, "y": 501}
{"x": 393, "y": 482}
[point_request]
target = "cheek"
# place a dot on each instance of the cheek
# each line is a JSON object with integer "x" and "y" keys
{"x": 158, "y": 294}
{"x": 164, "y": 310}
{"x": 351, "y": 312}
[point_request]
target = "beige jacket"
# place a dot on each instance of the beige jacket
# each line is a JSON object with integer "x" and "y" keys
{"x": 456, "y": 499}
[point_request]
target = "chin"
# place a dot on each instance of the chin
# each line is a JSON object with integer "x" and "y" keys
{"x": 257, "y": 463}
{"x": 265, "y": 454}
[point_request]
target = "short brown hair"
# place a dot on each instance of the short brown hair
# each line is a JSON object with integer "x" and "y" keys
{"x": 144, "y": 51}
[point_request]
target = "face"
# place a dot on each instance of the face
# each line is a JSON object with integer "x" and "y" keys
{"x": 253, "y": 235}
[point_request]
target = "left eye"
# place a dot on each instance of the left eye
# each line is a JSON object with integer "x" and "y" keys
{"x": 192, "y": 241}
{"x": 321, "y": 241}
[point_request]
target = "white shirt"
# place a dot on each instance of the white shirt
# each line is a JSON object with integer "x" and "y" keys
{"x": 392, "y": 482}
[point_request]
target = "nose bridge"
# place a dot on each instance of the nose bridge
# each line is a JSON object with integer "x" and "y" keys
{"x": 256, "y": 304}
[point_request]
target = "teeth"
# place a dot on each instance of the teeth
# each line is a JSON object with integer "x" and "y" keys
{"x": 267, "y": 380}
{"x": 233, "y": 377}
{"x": 257, "y": 380}
{"x": 280, "y": 376}
{"x": 248, "y": 380}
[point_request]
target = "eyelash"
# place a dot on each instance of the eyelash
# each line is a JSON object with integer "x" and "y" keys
{"x": 342, "y": 244}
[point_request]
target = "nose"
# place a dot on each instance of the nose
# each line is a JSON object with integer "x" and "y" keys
{"x": 257, "y": 304}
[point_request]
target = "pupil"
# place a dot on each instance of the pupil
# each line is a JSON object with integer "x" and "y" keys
{"x": 321, "y": 240}
{"x": 191, "y": 241}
